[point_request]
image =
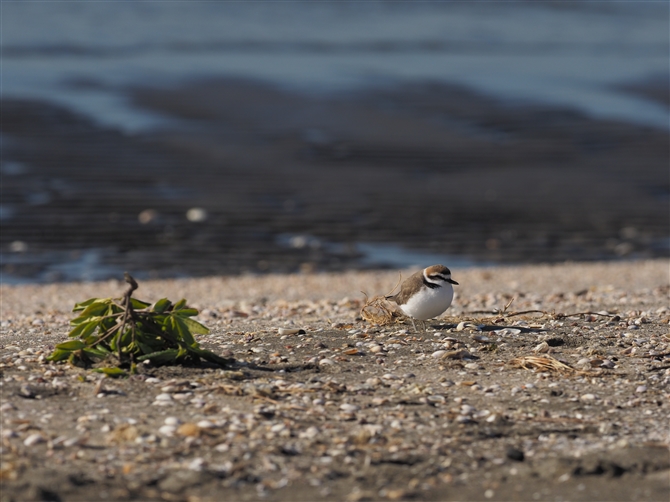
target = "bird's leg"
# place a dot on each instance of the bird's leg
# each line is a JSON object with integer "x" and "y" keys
{"x": 413, "y": 325}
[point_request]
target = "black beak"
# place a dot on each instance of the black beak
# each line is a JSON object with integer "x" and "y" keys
{"x": 452, "y": 281}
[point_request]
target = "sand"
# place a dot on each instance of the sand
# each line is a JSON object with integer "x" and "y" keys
{"x": 350, "y": 410}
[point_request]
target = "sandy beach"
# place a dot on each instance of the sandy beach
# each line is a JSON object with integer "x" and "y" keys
{"x": 350, "y": 410}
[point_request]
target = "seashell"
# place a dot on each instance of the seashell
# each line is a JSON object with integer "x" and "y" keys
{"x": 309, "y": 433}
{"x": 163, "y": 397}
{"x": 197, "y": 464}
{"x": 351, "y": 352}
{"x": 466, "y": 409}
{"x": 588, "y": 397}
{"x": 205, "y": 424}
{"x": 438, "y": 354}
{"x": 188, "y": 429}
{"x": 481, "y": 338}
{"x": 291, "y": 331}
{"x": 167, "y": 430}
{"x": 507, "y": 331}
{"x": 349, "y": 408}
{"x": 34, "y": 439}
{"x": 374, "y": 348}
{"x": 72, "y": 441}
{"x": 460, "y": 326}
{"x": 172, "y": 421}
{"x": 541, "y": 348}
{"x": 326, "y": 362}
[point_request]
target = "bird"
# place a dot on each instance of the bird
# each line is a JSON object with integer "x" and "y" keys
{"x": 425, "y": 294}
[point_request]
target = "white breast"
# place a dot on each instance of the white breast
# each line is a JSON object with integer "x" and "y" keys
{"x": 429, "y": 303}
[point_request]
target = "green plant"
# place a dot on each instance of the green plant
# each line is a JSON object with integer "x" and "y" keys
{"x": 133, "y": 331}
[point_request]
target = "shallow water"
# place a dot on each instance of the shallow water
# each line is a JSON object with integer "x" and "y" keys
{"x": 86, "y": 54}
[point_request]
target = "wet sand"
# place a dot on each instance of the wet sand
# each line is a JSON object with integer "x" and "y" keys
{"x": 429, "y": 167}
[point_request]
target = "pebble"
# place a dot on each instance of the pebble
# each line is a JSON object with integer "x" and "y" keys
{"x": 588, "y": 397}
{"x": 188, "y": 429}
{"x": 172, "y": 421}
{"x": 163, "y": 397}
{"x": 640, "y": 389}
{"x": 438, "y": 354}
{"x": 326, "y": 362}
{"x": 349, "y": 408}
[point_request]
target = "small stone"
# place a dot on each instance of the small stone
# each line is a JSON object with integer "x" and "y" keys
{"x": 438, "y": 354}
{"x": 588, "y": 397}
{"x": 349, "y": 408}
{"x": 205, "y": 424}
{"x": 163, "y": 397}
{"x": 326, "y": 362}
{"x": 466, "y": 409}
{"x": 515, "y": 454}
{"x": 188, "y": 429}
{"x": 641, "y": 389}
{"x": 172, "y": 421}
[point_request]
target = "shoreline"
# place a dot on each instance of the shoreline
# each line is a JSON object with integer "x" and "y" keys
{"x": 543, "y": 279}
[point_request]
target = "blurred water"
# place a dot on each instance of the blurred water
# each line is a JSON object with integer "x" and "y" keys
{"x": 86, "y": 54}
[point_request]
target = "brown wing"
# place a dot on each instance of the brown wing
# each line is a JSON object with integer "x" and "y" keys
{"x": 409, "y": 286}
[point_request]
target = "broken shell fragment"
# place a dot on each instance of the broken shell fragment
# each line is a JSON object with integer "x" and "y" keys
{"x": 291, "y": 331}
{"x": 481, "y": 338}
